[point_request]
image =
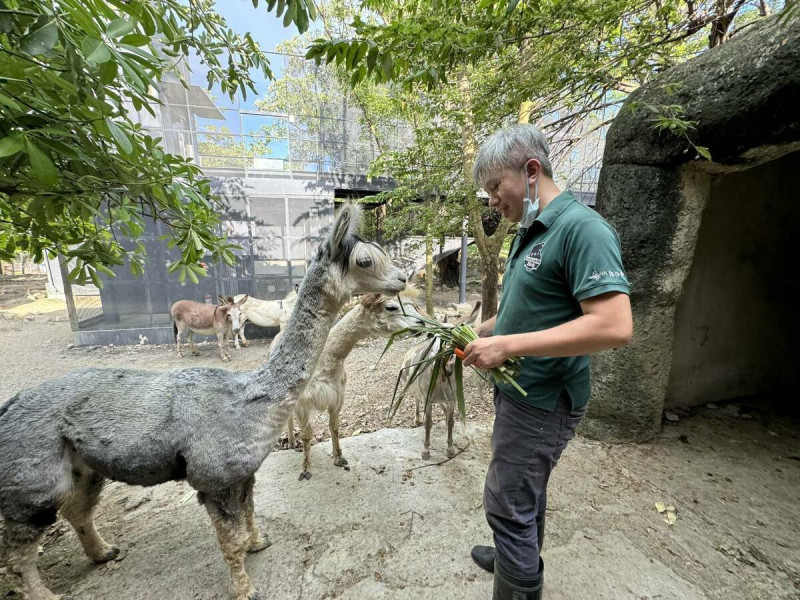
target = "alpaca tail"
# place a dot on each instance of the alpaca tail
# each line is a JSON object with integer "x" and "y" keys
{"x": 175, "y": 329}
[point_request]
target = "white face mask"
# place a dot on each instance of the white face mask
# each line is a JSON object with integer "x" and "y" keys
{"x": 529, "y": 209}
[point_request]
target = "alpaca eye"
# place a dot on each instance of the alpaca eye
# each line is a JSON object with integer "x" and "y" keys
{"x": 392, "y": 308}
{"x": 364, "y": 262}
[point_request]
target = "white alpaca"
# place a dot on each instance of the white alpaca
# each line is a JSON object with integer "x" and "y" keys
{"x": 444, "y": 391}
{"x": 371, "y": 317}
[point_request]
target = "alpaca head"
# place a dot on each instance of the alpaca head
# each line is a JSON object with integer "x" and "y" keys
{"x": 233, "y": 310}
{"x": 383, "y": 315}
{"x": 358, "y": 267}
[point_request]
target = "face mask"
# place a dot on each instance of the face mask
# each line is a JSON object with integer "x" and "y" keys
{"x": 529, "y": 209}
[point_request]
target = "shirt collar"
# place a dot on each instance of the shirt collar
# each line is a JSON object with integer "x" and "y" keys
{"x": 554, "y": 208}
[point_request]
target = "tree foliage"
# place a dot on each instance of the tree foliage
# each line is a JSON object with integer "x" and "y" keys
{"x": 565, "y": 65}
{"x": 78, "y": 176}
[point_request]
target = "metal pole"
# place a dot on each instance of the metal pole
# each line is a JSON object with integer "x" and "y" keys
{"x": 462, "y": 288}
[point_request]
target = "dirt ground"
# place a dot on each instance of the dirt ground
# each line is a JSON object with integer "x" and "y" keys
{"x": 732, "y": 473}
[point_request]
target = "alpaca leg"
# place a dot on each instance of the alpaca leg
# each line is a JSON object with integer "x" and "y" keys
{"x": 257, "y": 541}
{"x": 291, "y": 439}
{"x": 426, "y": 447}
{"x": 449, "y": 410}
{"x": 79, "y": 511}
{"x": 305, "y": 434}
{"x": 230, "y": 522}
{"x": 20, "y": 547}
{"x": 191, "y": 343}
{"x": 222, "y": 341}
{"x": 333, "y": 424}
{"x": 417, "y": 420}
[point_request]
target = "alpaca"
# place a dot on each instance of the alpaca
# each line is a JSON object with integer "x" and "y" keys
{"x": 444, "y": 390}
{"x": 212, "y": 427}
{"x": 266, "y": 313}
{"x": 208, "y": 319}
{"x": 373, "y": 316}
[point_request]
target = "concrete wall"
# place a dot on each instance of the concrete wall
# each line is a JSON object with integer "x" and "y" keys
{"x": 735, "y": 327}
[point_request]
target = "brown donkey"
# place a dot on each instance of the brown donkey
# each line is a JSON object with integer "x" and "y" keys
{"x": 207, "y": 319}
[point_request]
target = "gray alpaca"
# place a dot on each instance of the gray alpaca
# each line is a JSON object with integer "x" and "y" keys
{"x": 211, "y": 427}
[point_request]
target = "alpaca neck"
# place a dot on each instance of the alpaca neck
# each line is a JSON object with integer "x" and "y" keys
{"x": 342, "y": 339}
{"x": 283, "y": 377}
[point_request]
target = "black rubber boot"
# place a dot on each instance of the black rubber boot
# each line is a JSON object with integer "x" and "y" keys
{"x": 508, "y": 587}
{"x": 484, "y": 557}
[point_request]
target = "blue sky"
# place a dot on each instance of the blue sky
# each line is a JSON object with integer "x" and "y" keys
{"x": 265, "y": 28}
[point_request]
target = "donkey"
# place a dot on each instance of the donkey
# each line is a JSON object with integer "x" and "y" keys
{"x": 373, "y": 316}
{"x": 211, "y": 427}
{"x": 443, "y": 392}
{"x": 266, "y": 313}
{"x": 197, "y": 317}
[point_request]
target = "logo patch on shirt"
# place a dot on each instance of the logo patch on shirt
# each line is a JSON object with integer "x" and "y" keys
{"x": 534, "y": 258}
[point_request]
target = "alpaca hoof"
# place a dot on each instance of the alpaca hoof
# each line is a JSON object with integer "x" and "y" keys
{"x": 225, "y": 359}
{"x": 426, "y": 455}
{"x": 298, "y": 447}
{"x": 110, "y": 554}
{"x": 245, "y": 344}
{"x": 451, "y": 452}
{"x": 260, "y": 545}
{"x": 195, "y": 354}
{"x": 304, "y": 475}
{"x": 340, "y": 461}
{"x": 255, "y": 596}
{"x": 417, "y": 423}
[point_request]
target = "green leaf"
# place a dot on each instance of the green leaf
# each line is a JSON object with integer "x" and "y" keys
{"x": 42, "y": 168}
{"x": 108, "y": 72}
{"x": 120, "y": 137}
{"x": 119, "y": 27}
{"x": 10, "y": 102}
{"x": 136, "y": 39}
{"x": 42, "y": 39}
{"x": 704, "y": 152}
{"x": 11, "y": 145}
{"x": 458, "y": 375}
{"x": 95, "y": 51}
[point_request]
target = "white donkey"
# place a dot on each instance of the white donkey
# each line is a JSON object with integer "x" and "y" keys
{"x": 265, "y": 313}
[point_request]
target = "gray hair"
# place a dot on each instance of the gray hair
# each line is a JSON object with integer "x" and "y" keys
{"x": 510, "y": 148}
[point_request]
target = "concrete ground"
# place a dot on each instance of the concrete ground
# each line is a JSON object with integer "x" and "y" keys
{"x": 396, "y": 527}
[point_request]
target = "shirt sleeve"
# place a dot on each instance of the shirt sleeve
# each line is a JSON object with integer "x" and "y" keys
{"x": 594, "y": 260}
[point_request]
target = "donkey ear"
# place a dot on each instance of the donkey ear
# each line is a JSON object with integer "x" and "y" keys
{"x": 223, "y": 301}
{"x": 243, "y": 300}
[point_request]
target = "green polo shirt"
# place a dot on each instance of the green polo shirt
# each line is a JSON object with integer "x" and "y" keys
{"x": 569, "y": 254}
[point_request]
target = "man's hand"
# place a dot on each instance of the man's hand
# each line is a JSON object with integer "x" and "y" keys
{"x": 485, "y": 353}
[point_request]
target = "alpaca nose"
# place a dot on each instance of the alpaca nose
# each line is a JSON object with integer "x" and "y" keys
{"x": 403, "y": 278}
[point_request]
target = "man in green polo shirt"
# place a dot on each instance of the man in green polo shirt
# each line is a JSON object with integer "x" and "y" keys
{"x": 565, "y": 296}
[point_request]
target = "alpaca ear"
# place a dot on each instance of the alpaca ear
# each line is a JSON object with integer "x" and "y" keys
{"x": 345, "y": 226}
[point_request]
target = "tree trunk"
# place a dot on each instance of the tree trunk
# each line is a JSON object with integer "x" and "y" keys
{"x": 429, "y": 273}
{"x": 488, "y": 246}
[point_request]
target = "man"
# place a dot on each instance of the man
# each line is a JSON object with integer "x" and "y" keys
{"x": 565, "y": 296}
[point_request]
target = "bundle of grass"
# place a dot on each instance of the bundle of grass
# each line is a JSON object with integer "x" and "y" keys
{"x": 448, "y": 340}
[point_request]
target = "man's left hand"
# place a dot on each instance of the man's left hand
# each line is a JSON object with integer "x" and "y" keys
{"x": 485, "y": 353}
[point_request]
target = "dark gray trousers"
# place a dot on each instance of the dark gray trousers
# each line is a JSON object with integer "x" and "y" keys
{"x": 526, "y": 445}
